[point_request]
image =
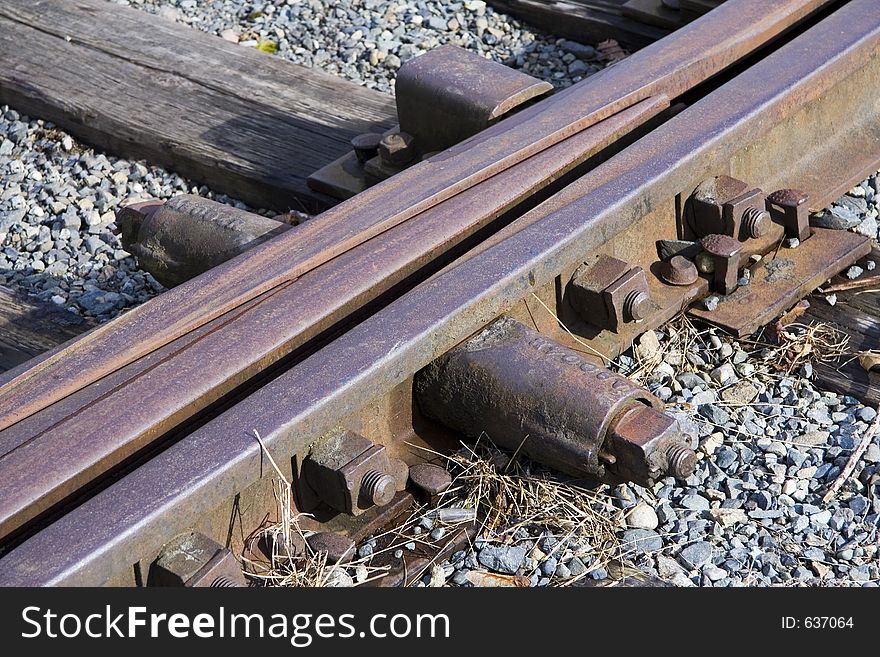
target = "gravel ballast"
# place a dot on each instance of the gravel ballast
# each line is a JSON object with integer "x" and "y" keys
{"x": 770, "y": 447}
{"x": 366, "y": 41}
{"x": 58, "y": 239}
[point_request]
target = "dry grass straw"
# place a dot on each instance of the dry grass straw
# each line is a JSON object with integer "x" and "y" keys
{"x": 799, "y": 343}
{"x": 513, "y": 493}
{"x": 793, "y": 344}
{"x": 291, "y": 567}
{"x": 681, "y": 336}
{"x": 288, "y": 566}
{"x": 284, "y": 567}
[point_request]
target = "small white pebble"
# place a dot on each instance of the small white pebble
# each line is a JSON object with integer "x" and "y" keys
{"x": 831, "y": 299}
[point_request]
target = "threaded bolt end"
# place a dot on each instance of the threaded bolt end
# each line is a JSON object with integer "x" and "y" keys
{"x": 756, "y": 222}
{"x": 378, "y": 487}
{"x": 681, "y": 461}
{"x": 224, "y": 582}
{"x": 635, "y": 305}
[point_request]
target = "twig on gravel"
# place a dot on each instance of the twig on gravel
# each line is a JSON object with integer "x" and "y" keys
{"x": 853, "y": 459}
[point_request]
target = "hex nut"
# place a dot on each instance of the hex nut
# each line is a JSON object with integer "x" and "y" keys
{"x": 396, "y": 149}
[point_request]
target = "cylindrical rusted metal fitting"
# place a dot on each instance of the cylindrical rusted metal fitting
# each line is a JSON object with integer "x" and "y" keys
{"x": 532, "y": 395}
{"x": 188, "y": 235}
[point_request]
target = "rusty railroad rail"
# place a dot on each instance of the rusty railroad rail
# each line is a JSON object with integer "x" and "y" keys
{"x": 374, "y": 326}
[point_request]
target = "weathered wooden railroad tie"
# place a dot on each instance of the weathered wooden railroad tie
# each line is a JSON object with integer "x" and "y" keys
{"x": 497, "y": 247}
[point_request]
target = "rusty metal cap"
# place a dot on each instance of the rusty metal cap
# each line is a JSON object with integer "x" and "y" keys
{"x": 431, "y": 478}
{"x": 339, "y": 548}
{"x": 131, "y": 217}
{"x": 722, "y": 246}
{"x": 366, "y": 146}
{"x": 678, "y": 270}
{"x": 788, "y": 197}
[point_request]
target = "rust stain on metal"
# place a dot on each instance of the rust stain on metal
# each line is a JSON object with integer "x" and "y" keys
{"x": 405, "y": 336}
{"x": 668, "y": 67}
{"x": 777, "y": 283}
{"x": 678, "y": 270}
{"x": 134, "y": 410}
{"x": 534, "y": 396}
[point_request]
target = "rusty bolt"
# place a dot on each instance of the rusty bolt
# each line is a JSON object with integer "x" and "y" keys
{"x": 681, "y": 461}
{"x": 338, "y": 548}
{"x": 194, "y": 560}
{"x": 378, "y": 487}
{"x": 224, "y": 582}
{"x": 366, "y": 146}
{"x": 636, "y": 305}
{"x": 396, "y": 149}
{"x": 756, "y": 222}
{"x": 351, "y": 474}
{"x": 678, "y": 270}
{"x": 432, "y": 479}
{"x": 790, "y": 207}
{"x": 725, "y": 250}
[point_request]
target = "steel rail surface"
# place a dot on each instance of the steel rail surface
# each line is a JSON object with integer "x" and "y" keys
{"x": 668, "y": 67}
{"x": 52, "y": 454}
